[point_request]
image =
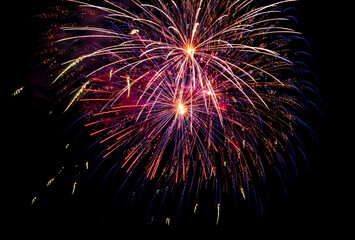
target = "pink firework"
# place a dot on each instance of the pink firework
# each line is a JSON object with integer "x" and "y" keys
{"x": 192, "y": 94}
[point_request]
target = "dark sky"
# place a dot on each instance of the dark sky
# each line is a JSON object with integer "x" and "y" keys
{"x": 316, "y": 203}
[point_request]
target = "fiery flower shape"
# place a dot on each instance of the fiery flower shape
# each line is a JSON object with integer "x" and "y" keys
{"x": 190, "y": 93}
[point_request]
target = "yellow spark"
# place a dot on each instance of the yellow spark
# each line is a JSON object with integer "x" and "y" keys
{"x": 33, "y": 200}
{"x": 128, "y": 79}
{"x": 87, "y": 165}
{"x": 195, "y": 209}
{"x": 76, "y": 97}
{"x": 18, "y": 91}
{"x": 74, "y": 187}
{"x": 190, "y": 50}
{"x": 243, "y": 193}
{"x": 167, "y": 221}
{"x": 111, "y": 73}
{"x": 76, "y": 61}
{"x": 134, "y": 31}
{"x": 50, "y": 181}
{"x": 181, "y": 109}
{"x": 218, "y": 213}
{"x": 128, "y": 86}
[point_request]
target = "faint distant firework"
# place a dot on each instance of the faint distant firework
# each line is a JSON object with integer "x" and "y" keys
{"x": 190, "y": 95}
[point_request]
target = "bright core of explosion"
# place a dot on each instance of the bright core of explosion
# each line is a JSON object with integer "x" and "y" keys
{"x": 181, "y": 108}
{"x": 190, "y": 50}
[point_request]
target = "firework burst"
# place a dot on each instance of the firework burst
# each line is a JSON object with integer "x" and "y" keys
{"x": 190, "y": 93}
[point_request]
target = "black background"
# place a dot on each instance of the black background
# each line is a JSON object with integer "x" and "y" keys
{"x": 317, "y": 204}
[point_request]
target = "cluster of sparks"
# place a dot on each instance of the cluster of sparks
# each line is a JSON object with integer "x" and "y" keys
{"x": 190, "y": 93}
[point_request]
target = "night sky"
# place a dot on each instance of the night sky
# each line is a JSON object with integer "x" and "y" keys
{"x": 33, "y": 148}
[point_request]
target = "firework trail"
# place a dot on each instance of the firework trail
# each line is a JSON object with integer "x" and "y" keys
{"x": 191, "y": 93}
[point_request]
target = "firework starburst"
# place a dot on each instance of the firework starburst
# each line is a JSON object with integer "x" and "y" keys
{"x": 190, "y": 93}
